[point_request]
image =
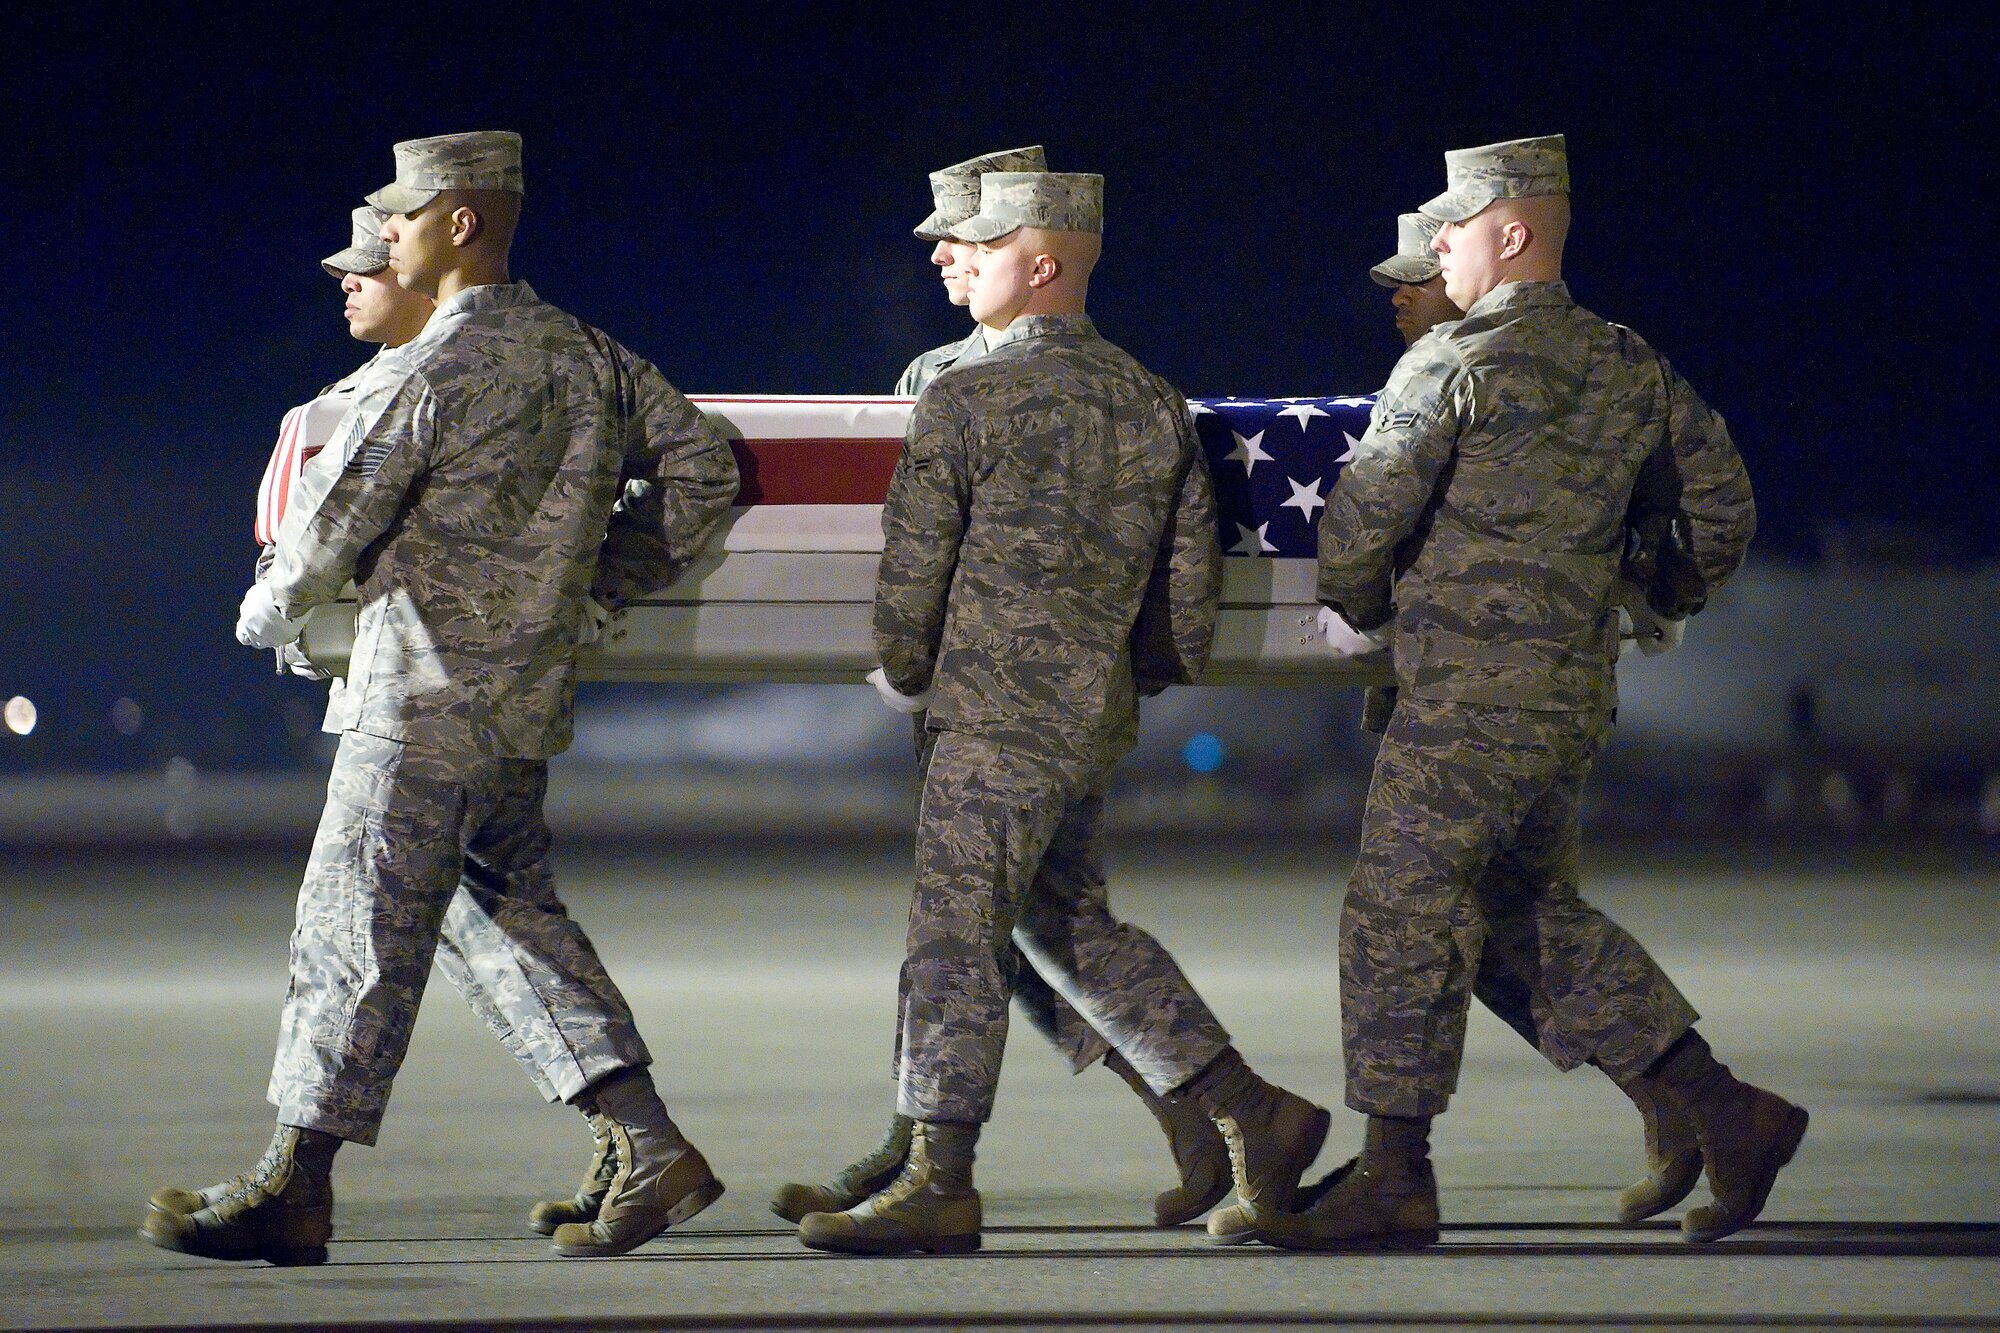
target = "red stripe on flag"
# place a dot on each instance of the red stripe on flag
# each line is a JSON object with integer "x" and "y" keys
{"x": 814, "y": 472}
{"x": 837, "y": 400}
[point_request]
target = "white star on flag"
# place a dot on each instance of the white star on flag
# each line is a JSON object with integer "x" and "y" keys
{"x": 1305, "y": 499}
{"x": 1249, "y": 451}
{"x": 1200, "y": 409}
{"x": 1305, "y": 412}
{"x": 1250, "y": 541}
{"x": 1352, "y": 445}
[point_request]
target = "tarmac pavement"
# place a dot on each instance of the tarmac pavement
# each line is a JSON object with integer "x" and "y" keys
{"x": 139, "y": 997}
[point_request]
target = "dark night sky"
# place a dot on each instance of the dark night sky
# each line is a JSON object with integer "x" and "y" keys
{"x": 728, "y": 189}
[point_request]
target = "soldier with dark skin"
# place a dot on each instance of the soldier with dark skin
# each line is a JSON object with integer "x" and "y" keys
{"x": 476, "y": 953}
{"x": 1415, "y": 283}
{"x": 497, "y": 475}
{"x": 1480, "y": 529}
{"x": 1050, "y": 555}
{"x": 1198, "y": 1151}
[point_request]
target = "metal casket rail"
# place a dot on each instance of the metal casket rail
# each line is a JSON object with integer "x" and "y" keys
{"x": 785, "y": 589}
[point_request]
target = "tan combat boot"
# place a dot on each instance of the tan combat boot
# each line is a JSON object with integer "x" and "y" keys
{"x": 854, "y": 1182}
{"x": 1747, "y": 1135}
{"x": 1200, "y": 1155}
{"x": 280, "y": 1211}
{"x": 930, "y": 1207}
{"x": 1673, "y": 1153}
{"x": 172, "y": 1199}
{"x": 1385, "y": 1200}
{"x": 661, "y": 1180}
{"x": 1272, "y": 1135}
{"x": 583, "y": 1206}
{"x": 1234, "y": 1225}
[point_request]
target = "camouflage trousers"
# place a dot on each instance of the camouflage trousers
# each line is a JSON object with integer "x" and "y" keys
{"x": 1040, "y": 1003}
{"x": 1010, "y": 852}
{"x": 420, "y": 855}
{"x": 1468, "y": 876}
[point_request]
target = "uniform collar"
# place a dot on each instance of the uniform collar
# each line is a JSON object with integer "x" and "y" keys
{"x": 1046, "y": 326}
{"x": 1509, "y": 295}
{"x": 490, "y": 296}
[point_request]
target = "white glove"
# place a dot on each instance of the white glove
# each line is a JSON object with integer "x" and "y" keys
{"x": 1639, "y": 625}
{"x": 902, "y": 703}
{"x": 1345, "y": 641}
{"x": 596, "y": 615}
{"x": 258, "y": 623}
{"x": 1667, "y": 635}
{"x": 294, "y": 661}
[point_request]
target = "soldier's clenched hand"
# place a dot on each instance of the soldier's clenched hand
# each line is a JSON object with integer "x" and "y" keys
{"x": 1343, "y": 640}
{"x": 896, "y": 699}
{"x": 259, "y": 624}
{"x": 596, "y": 615}
{"x": 1639, "y": 624}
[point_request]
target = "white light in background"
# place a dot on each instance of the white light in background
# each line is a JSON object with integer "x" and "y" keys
{"x": 20, "y": 715}
{"x": 127, "y": 717}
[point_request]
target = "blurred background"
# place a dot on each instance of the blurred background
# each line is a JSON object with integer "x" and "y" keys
{"x": 731, "y": 194}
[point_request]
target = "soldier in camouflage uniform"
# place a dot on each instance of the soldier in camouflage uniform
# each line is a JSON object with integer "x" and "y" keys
{"x": 487, "y": 960}
{"x": 1198, "y": 1151}
{"x": 1673, "y": 1158}
{"x": 502, "y": 472}
{"x": 1416, "y": 286}
{"x": 954, "y": 198}
{"x": 1480, "y": 529}
{"x": 379, "y": 311}
{"x": 1049, "y": 555}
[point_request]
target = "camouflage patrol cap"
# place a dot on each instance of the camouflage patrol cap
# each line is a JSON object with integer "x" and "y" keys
{"x": 1050, "y": 200}
{"x": 955, "y": 190}
{"x": 1515, "y": 169}
{"x": 365, "y": 253}
{"x": 481, "y": 160}
{"x": 1413, "y": 260}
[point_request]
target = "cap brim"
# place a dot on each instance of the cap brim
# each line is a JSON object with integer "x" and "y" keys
{"x": 937, "y": 227}
{"x": 1454, "y": 206}
{"x": 356, "y": 259}
{"x": 404, "y": 199}
{"x": 1398, "y": 270}
{"x": 978, "y": 229}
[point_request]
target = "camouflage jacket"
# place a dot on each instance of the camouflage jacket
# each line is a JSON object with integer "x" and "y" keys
{"x": 916, "y": 376}
{"x": 492, "y": 473}
{"x": 1487, "y": 507}
{"x": 1049, "y": 543}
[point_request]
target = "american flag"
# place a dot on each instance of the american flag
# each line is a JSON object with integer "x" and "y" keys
{"x": 1274, "y": 461}
{"x": 305, "y": 430}
{"x": 816, "y": 468}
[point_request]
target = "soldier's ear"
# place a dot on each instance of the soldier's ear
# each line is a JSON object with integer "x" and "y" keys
{"x": 466, "y": 225}
{"x": 1514, "y": 238}
{"x": 1047, "y": 269}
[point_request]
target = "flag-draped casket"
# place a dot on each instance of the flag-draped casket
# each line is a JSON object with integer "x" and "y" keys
{"x": 784, "y": 590}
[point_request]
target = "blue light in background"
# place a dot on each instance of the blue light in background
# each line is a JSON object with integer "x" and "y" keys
{"x": 1203, "y": 752}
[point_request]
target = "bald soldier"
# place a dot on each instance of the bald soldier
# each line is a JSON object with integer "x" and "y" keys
{"x": 1199, "y": 1155}
{"x": 1480, "y": 529}
{"x": 1673, "y": 1158}
{"x": 1049, "y": 555}
{"x": 498, "y": 475}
